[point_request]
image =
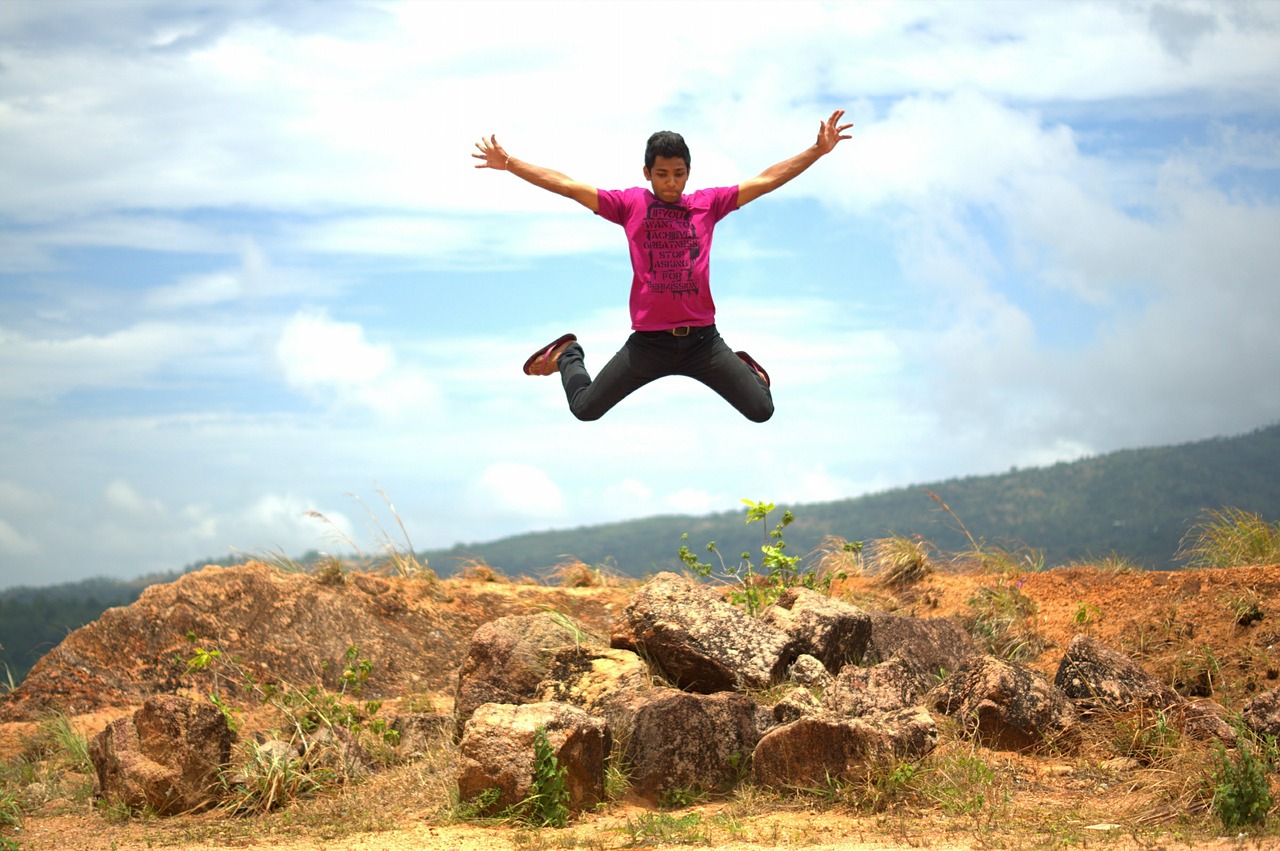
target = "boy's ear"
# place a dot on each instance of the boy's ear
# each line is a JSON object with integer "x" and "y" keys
{"x": 646, "y": 173}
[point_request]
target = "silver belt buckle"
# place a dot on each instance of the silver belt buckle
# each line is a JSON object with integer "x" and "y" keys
{"x": 682, "y": 331}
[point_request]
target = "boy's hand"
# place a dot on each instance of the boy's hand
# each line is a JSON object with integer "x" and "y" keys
{"x": 491, "y": 154}
{"x": 831, "y": 131}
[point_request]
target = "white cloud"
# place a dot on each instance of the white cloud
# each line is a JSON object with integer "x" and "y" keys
{"x": 518, "y": 489}
{"x": 14, "y": 543}
{"x": 333, "y": 361}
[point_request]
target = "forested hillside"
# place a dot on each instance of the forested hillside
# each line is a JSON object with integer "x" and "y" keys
{"x": 1137, "y": 504}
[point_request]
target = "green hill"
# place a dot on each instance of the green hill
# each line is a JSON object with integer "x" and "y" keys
{"x": 1137, "y": 504}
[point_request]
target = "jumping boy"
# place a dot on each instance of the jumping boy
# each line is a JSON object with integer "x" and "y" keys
{"x": 672, "y": 314}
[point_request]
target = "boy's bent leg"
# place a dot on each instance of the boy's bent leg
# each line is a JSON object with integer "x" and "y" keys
{"x": 591, "y": 399}
{"x": 723, "y": 371}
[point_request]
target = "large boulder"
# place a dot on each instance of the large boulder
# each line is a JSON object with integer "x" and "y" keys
{"x": 1005, "y": 705}
{"x": 698, "y": 641}
{"x": 165, "y": 757}
{"x": 816, "y": 749}
{"x": 508, "y": 659}
{"x": 1101, "y": 678}
{"x": 497, "y": 752}
{"x": 887, "y": 687}
{"x": 833, "y": 631}
{"x": 678, "y": 740}
{"x": 935, "y": 646}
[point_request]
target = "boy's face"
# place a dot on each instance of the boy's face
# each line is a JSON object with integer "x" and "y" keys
{"x": 668, "y": 177}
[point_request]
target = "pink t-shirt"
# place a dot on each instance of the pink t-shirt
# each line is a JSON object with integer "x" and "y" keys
{"x": 670, "y": 252}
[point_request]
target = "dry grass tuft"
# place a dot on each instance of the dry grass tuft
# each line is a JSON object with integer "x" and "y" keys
{"x": 899, "y": 561}
{"x": 572, "y": 572}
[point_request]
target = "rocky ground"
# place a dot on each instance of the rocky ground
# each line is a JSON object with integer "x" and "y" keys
{"x": 1207, "y": 633}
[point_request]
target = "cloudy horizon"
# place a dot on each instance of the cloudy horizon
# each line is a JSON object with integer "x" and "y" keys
{"x": 248, "y": 271}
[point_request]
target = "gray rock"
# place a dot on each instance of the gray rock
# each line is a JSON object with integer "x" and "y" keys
{"x": 507, "y": 661}
{"x": 1005, "y": 705}
{"x": 1262, "y": 714}
{"x": 832, "y": 631}
{"x": 698, "y": 641}
{"x": 887, "y": 687}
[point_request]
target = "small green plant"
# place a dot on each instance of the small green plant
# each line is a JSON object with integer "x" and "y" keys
{"x": 679, "y": 797}
{"x": 10, "y": 814}
{"x": 660, "y": 828}
{"x": 1241, "y": 792}
{"x": 477, "y": 808}
{"x": 1086, "y": 615}
{"x": 758, "y": 587}
{"x": 548, "y": 801}
{"x": 1231, "y": 537}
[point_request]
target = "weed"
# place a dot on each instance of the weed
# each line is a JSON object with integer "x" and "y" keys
{"x": 1149, "y": 736}
{"x": 478, "y": 570}
{"x": 681, "y": 797}
{"x": 10, "y": 812}
{"x": 756, "y": 588}
{"x": 273, "y": 776}
{"x": 1246, "y": 608}
{"x": 999, "y": 619}
{"x": 985, "y": 558}
{"x": 395, "y": 559}
{"x": 661, "y": 828}
{"x": 575, "y": 573}
{"x": 474, "y": 809}
{"x": 548, "y": 801}
{"x": 1086, "y": 615}
{"x": 1241, "y": 792}
{"x": 1231, "y": 537}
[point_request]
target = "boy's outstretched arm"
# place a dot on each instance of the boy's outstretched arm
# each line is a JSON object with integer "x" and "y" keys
{"x": 830, "y": 132}
{"x": 491, "y": 155}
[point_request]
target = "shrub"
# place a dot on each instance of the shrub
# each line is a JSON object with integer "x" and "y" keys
{"x": 1231, "y": 537}
{"x": 548, "y": 801}
{"x": 1241, "y": 793}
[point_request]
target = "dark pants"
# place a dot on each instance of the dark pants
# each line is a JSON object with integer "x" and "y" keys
{"x": 649, "y": 355}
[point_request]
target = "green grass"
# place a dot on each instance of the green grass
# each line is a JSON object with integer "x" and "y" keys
{"x": 1231, "y": 537}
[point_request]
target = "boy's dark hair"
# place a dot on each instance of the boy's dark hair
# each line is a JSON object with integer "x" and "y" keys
{"x": 664, "y": 143}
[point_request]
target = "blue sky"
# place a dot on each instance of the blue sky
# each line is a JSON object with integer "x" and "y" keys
{"x": 247, "y": 270}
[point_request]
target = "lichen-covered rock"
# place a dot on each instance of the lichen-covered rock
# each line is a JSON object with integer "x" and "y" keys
{"x": 818, "y": 748}
{"x": 1262, "y": 714}
{"x": 700, "y": 642}
{"x": 832, "y": 631}
{"x": 1005, "y": 705}
{"x": 497, "y": 752}
{"x": 508, "y": 659}
{"x": 935, "y": 646}
{"x": 808, "y": 671}
{"x": 795, "y": 705}
{"x": 890, "y": 686}
{"x": 678, "y": 740}
{"x": 1099, "y": 677}
{"x": 165, "y": 757}
{"x": 590, "y": 677}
